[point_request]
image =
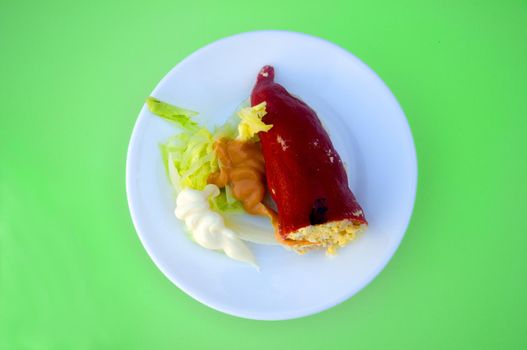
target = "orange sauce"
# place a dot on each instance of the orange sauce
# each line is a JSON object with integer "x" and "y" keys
{"x": 242, "y": 167}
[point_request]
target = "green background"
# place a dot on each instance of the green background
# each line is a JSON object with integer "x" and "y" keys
{"x": 73, "y": 77}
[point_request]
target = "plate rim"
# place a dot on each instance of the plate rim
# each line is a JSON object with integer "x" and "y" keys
{"x": 286, "y": 315}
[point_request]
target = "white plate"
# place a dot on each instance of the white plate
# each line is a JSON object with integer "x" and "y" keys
{"x": 368, "y": 129}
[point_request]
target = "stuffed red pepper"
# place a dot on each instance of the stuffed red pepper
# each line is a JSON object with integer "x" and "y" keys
{"x": 304, "y": 173}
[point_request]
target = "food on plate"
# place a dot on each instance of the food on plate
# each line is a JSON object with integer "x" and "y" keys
{"x": 305, "y": 174}
{"x": 207, "y": 226}
{"x": 241, "y": 165}
{"x": 274, "y": 148}
{"x": 173, "y": 113}
{"x": 251, "y": 122}
{"x": 242, "y": 168}
{"x": 193, "y": 158}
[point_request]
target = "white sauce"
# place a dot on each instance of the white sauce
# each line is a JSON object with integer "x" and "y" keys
{"x": 207, "y": 226}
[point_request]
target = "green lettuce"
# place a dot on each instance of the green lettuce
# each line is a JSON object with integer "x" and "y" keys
{"x": 251, "y": 122}
{"x": 179, "y": 115}
{"x": 189, "y": 156}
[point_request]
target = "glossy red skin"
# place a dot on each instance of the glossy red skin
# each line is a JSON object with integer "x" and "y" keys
{"x": 303, "y": 170}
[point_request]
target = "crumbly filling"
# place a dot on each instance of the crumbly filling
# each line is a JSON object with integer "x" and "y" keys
{"x": 330, "y": 235}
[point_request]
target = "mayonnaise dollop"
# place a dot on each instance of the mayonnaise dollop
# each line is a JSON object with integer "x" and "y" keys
{"x": 207, "y": 226}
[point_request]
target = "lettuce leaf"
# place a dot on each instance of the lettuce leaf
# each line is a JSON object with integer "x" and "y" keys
{"x": 251, "y": 122}
{"x": 179, "y": 115}
{"x": 189, "y": 156}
